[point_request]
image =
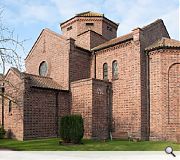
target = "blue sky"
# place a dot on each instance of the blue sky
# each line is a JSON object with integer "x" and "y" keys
{"x": 29, "y": 17}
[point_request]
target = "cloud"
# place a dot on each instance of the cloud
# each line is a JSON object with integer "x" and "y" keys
{"x": 130, "y": 14}
{"x": 137, "y": 13}
{"x": 29, "y": 12}
{"x": 42, "y": 13}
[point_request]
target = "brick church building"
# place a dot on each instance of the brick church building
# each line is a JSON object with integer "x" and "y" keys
{"x": 127, "y": 85}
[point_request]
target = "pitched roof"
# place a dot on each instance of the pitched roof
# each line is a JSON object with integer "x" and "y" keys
{"x": 89, "y": 14}
{"x": 164, "y": 43}
{"x": 37, "y": 81}
{"x": 42, "y": 82}
{"x": 114, "y": 41}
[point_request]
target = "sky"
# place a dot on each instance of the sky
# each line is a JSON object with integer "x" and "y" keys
{"x": 28, "y": 17}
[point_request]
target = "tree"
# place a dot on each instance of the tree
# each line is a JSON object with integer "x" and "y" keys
{"x": 10, "y": 45}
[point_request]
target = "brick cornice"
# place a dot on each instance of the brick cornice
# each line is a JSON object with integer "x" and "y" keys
{"x": 162, "y": 50}
{"x": 120, "y": 45}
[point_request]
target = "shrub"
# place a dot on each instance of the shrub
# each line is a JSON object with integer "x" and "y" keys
{"x": 2, "y": 132}
{"x": 71, "y": 128}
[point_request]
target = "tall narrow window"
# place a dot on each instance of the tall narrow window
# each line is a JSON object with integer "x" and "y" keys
{"x": 105, "y": 71}
{"x": 10, "y": 106}
{"x": 115, "y": 70}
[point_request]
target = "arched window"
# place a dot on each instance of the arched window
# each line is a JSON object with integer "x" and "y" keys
{"x": 105, "y": 71}
{"x": 114, "y": 70}
{"x": 10, "y": 105}
{"x": 43, "y": 68}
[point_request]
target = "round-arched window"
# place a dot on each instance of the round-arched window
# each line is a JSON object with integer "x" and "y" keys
{"x": 115, "y": 70}
{"x": 43, "y": 68}
{"x": 105, "y": 71}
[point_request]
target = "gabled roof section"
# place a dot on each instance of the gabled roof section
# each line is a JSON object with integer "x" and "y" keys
{"x": 164, "y": 43}
{"x": 152, "y": 24}
{"x": 15, "y": 70}
{"x": 42, "y": 32}
{"x": 89, "y": 14}
{"x": 42, "y": 82}
{"x": 155, "y": 23}
{"x": 114, "y": 41}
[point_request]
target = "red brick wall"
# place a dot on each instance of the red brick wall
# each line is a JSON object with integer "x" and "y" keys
{"x": 64, "y": 102}
{"x": 79, "y": 26}
{"x": 79, "y": 64}
{"x": 84, "y": 40}
{"x": 55, "y": 51}
{"x": 82, "y": 103}
{"x": 89, "y": 98}
{"x": 143, "y": 38}
{"x": 89, "y": 39}
{"x": 97, "y": 24}
{"x": 35, "y": 112}
{"x": 109, "y": 34}
{"x": 13, "y": 121}
{"x": 42, "y": 110}
{"x": 70, "y": 33}
{"x": 96, "y": 40}
{"x": 164, "y": 94}
{"x": 40, "y": 114}
{"x": 101, "y": 109}
{"x": 153, "y": 33}
{"x": 126, "y": 96}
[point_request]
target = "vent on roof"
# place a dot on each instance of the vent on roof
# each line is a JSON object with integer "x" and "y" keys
{"x": 89, "y": 24}
{"x": 69, "y": 28}
{"x": 109, "y": 28}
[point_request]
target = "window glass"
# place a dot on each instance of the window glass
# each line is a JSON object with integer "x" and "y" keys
{"x": 43, "y": 69}
{"x": 10, "y": 105}
{"x": 115, "y": 70}
{"x": 105, "y": 71}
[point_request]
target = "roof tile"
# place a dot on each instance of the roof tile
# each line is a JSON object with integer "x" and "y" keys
{"x": 42, "y": 82}
{"x": 114, "y": 41}
{"x": 90, "y": 14}
{"x": 164, "y": 42}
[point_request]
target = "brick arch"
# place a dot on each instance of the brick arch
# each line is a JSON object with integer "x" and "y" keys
{"x": 173, "y": 93}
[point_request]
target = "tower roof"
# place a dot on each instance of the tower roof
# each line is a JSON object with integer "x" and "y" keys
{"x": 89, "y": 14}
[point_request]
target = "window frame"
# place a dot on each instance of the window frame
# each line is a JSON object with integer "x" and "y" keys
{"x": 44, "y": 75}
{"x": 10, "y": 106}
{"x": 105, "y": 71}
{"x": 109, "y": 28}
{"x": 89, "y": 24}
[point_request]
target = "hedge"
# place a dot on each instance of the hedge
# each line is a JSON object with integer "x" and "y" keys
{"x": 2, "y": 132}
{"x": 71, "y": 128}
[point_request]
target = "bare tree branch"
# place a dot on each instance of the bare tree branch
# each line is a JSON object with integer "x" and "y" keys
{"x": 10, "y": 46}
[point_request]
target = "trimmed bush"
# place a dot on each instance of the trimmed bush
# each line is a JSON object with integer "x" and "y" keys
{"x": 71, "y": 128}
{"x": 2, "y": 132}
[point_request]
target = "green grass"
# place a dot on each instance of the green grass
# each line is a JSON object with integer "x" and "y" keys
{"x": 89, "y": 145}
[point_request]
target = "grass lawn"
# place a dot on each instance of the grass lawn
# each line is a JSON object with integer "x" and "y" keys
{"x": 89, "y": 145}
